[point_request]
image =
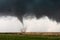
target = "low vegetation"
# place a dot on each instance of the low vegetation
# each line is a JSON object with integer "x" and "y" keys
{"x": 28, "y": 37}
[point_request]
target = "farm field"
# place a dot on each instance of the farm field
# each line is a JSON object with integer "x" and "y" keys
{"x": 28, "y": 37}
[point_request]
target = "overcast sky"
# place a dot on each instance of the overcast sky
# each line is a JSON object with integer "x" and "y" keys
{"x": 44, "y": 24}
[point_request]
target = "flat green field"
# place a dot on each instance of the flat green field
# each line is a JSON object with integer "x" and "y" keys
{"x": 28, "y": 37}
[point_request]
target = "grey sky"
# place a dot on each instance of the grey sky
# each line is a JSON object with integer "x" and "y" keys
{"x": 44, "y": 24}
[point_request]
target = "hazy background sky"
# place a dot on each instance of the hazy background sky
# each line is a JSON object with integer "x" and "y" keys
{"x": 13, "y": 11}
{"x": 44, "y": 24}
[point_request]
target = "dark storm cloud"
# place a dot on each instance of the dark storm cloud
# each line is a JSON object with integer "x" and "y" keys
{"x": 50, "y": 8}
{"x": 6, "y": 7}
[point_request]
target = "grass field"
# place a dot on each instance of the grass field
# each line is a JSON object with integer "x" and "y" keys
{"x": 28, "y": 37}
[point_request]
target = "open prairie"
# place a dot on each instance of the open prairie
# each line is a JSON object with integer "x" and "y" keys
{"x": 30, "y": 36}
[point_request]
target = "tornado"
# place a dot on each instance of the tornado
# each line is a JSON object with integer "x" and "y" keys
{"x": 39, "y": 8}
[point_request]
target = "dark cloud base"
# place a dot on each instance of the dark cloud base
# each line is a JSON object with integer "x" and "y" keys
{"x": 39, "y": 8}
